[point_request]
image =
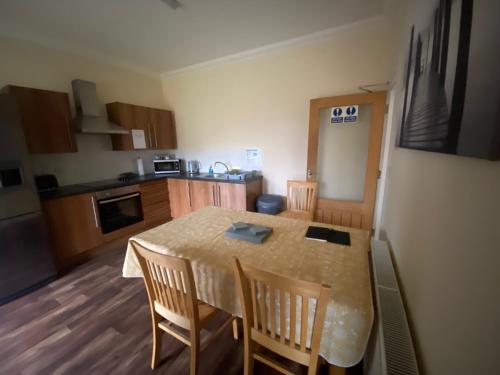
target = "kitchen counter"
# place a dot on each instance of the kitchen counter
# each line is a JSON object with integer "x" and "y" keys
{"x": 90, "y": 187}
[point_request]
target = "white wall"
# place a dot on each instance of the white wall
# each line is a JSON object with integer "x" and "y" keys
{"x": 25, "y": 64}
{"x": 263, "y": 101}
{"x": 441, "y": 217}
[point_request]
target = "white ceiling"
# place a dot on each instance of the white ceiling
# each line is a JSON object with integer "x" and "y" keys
{"x": 148, "y": 35}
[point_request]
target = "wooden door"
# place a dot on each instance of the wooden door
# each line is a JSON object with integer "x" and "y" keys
{"x": 46, "y": 120}
{"x": 74, "y": 224}
{"x": 123, "y": 115}
{"x": 142, "y": 122}
{"x": 179, "y": 192}
{"x": 163, "y": 129}
{"x": 353, "y": 212}
{"x": 203, "y": 193}
{"x": 231, "y": 196}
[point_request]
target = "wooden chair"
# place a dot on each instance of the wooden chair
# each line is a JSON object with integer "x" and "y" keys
{"x": 260, "y": 323}
{"x": 172, "y": 300}
{"x": 301, "y": 200}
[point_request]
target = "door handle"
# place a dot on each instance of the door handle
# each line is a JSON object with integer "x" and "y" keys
{"x": 189, "y": 194}
{"x": 119, "y": 199}
{"x": 156, "y": 139}
{"x": 149, "y": 136}
{"x": 309, "y": 174}
{"x": 213, "y": 195}
{"x": 95, "y": 213}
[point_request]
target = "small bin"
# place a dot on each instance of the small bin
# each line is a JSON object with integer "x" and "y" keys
{"x": 269, "y": 204}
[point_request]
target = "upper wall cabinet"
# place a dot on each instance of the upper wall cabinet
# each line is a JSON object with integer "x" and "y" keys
{"x": 46, "y": 120}
{"x": 162, "y": 125}
{"x": 157, "y": 124}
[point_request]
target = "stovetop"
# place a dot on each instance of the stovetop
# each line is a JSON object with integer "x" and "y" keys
{"x": 127, "y": 176}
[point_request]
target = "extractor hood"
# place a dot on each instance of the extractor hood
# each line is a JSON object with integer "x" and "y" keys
{"x": 90, "y": 116}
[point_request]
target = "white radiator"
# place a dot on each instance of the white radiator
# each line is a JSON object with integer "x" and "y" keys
{"x": 390, "y": 351}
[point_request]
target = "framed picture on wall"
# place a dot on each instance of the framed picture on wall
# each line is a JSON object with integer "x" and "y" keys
{"x": 452, "y": 84}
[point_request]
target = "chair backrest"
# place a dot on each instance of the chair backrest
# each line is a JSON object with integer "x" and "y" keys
{"x": 170, "y": 286}
{"x": 270, "y": 303}
{"x": 301, "y": 195}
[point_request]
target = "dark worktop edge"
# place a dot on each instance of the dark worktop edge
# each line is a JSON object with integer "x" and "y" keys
{"x": 76, "y": 189}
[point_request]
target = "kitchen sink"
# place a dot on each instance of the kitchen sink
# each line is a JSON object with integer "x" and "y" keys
{"x": 214, "y": 175}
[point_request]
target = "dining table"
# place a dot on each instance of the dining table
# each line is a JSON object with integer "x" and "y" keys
{"x": 199, "y": 237}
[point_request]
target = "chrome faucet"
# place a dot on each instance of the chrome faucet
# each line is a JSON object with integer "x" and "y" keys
{"x": 224, "y": 164}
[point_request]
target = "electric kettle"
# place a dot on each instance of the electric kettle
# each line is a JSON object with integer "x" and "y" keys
{"x": 193, "y": 166}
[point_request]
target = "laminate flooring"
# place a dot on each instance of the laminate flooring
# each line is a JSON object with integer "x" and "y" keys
{"x": 94, "y": 321}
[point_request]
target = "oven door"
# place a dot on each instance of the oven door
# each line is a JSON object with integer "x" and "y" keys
{"x": 119, "y": 212}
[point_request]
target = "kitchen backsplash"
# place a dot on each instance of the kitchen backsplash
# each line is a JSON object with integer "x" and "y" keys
{"x": 95, "y": 160}
{"x": 234, "y": 158}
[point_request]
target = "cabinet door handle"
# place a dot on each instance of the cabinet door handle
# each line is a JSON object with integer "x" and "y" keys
{"x": 156, "y": 139}
{"x": 218, "y": 198}
{"x": 189, "y": 194}
{"x": 95, "y": 212}
{"x": 119, "y": 198}
{"x": 149, "y": 136}
{"x": 213, "y": 195}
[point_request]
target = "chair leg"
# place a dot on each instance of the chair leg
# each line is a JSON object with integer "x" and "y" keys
{"x": 157, "y": 336}
{"x": 334, "y": 370}
{"x": 235, "y": 328}
{"x": 248, "y": 357}
{"x": 313, "y": 365}
{"x": 195, "y": 352}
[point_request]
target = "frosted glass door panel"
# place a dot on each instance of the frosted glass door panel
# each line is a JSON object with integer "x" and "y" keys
{"x": 342, "y": 155}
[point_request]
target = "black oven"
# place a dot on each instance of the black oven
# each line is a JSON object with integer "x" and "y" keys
{"x": 119, "y": 208}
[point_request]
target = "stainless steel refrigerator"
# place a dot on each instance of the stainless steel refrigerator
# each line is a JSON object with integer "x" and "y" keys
{"x": 26, "y": 260}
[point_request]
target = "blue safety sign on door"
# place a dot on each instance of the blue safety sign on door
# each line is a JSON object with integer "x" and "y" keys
{"x": 340, "y": 115}
{"x": 337, "y": 115}
{"x": 351, "y": 114}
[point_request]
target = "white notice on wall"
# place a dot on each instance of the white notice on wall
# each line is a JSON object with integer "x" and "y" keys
{"x": 253, "y": 158}
{"x": 138, "y": 138}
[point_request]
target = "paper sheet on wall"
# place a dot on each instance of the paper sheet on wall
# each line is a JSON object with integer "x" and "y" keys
{"x": 253, "y": 158}
{"x": 138, "y": 138}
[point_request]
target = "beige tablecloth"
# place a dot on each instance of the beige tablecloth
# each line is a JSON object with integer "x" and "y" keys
{"x": 199, "y": 237}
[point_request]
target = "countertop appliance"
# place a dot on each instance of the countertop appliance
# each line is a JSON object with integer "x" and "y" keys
{"x": 127, "y": 176}
{"x": 119, "y": 207}
{"x": 193, "y": 167}
{"x": 167, "y": 166}
{"x": 46, "y": 182}
{"x": 26, "y": 260}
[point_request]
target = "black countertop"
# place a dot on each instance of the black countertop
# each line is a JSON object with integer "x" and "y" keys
{"x": 90, "y": 187}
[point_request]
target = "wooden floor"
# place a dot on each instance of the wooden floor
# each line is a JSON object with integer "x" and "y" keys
{"x": 93, "y": 321}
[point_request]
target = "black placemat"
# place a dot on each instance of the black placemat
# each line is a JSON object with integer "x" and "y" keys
{"x": 328, "y": 235}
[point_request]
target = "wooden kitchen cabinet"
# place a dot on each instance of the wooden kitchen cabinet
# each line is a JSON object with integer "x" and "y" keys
{"x": 124, "y": 115}
{"x": 179, "y": 192}
{"x": 46, "y": 119}
{"x": 162, "y": 126}
{"x": 232, "y": 196}
{"x": 74, "y": 224}
{"x": 203, "y": 193}
{"x": 190, "y": 195}
{"x": 155, "y": 202}
{"x": 141, "y": 122}
{"x": 157, "y": 124}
